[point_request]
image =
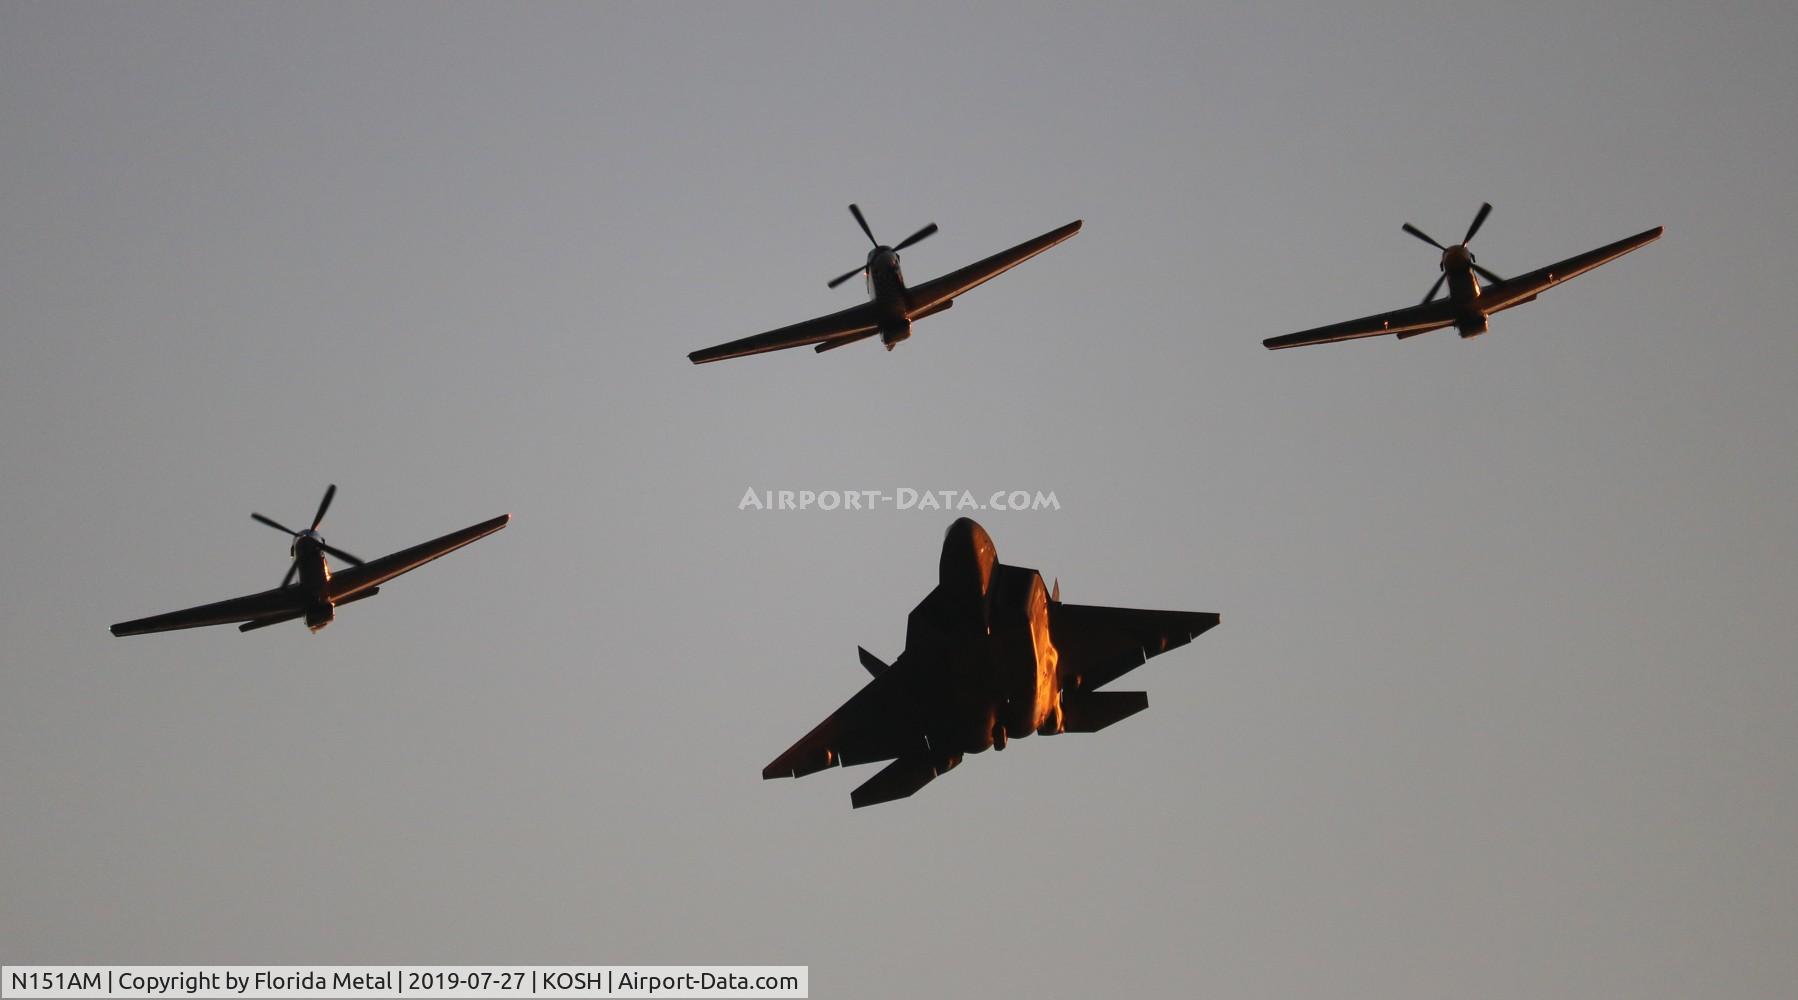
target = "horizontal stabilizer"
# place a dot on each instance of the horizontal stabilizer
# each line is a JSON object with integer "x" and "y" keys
{"x": 898, "y": 780}
{"x": 933, "y": 310}
{"x": 870, "y": 662}
{"x": 1094, "y": 710}
{"x": 831, "y": 345}
{"x": 266, "y": 622}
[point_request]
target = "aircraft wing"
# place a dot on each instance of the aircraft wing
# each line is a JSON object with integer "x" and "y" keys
{"x": 939, "y": 290}
{"x": 349, "y": 583}
{"x": 1411, "y": 319}
{"x": 1524, "y": 287}
{"x": 879, "y": 723}
{"x": 851, "y": 322}
{"x": 1099, "y": 645}
{"x": 270, "y": 605}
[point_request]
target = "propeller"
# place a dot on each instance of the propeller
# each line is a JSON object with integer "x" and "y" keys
{"x": 341, "y": 554}
{"x": 915, "y": 237}
{"x": 856, "y": 211}
{"x": 323, "y": 505}
{"x": 862, "y": 221}
{"x": 1420, "y": 234}
{"x": 1479, "y": 219}
{"x": 834, "y": 282}
{"x": 271, "y": 522}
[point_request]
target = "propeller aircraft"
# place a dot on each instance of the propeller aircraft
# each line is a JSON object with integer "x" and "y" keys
{"x": 310, "y": 589}
{"x": 1468, "y": 303}
{"x": 891, "y": 305}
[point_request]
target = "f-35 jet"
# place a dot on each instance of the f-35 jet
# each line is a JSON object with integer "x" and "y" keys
{"x": 310, "y": 590}
{"x": 1468, "y": 303}
{"x": 891, "y": 306}
{"x": 991, "y": 655}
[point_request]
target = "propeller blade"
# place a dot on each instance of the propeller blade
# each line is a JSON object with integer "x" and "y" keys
{"x": 857, "y": 212}
{"x": 293, "y": 571}
{"x": 1440, "y": 278}
{"x": 1420, "y": 234}
{"x": 271, "y": 522}
{"x": 341, "y": 554}
{"x": 915, "y": 237}
{"x": 1478, "y": 220}
{"x": 324, "y": 505}
{"x": 1488, "y": 275}
{"x": 834, "y": 282}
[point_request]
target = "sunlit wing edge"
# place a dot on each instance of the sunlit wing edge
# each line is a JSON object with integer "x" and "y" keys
{"x": 1517, "y": 290}
{"x": 347, "y": 584}
{"x": 930, "y": 293}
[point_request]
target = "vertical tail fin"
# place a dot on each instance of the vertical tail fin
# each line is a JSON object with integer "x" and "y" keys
{"x": 870, "y": 662}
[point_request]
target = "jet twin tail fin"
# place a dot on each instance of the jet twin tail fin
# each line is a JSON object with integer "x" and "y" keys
{"x": 871, "y": 663}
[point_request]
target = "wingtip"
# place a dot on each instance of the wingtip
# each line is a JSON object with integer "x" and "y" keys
{"x": 490, "y": 525}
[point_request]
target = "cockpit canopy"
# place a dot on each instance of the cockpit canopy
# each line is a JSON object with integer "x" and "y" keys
{"x": 968, "y": 558}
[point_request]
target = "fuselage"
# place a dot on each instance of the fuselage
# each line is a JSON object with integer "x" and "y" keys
{"x": 886, "y": 288}
{"x": 1464, "y": 290}
{"x": 315, "y": 578}
{"x": 982, "y": 646}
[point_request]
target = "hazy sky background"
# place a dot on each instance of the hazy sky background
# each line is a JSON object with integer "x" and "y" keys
{"x": 1504, "y": 701}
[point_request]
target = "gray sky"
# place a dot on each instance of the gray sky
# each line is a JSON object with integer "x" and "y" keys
{"x": 1504, "y": 700}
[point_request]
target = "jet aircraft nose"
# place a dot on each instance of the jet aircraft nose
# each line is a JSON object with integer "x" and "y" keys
{"x": 968, "y": 557}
